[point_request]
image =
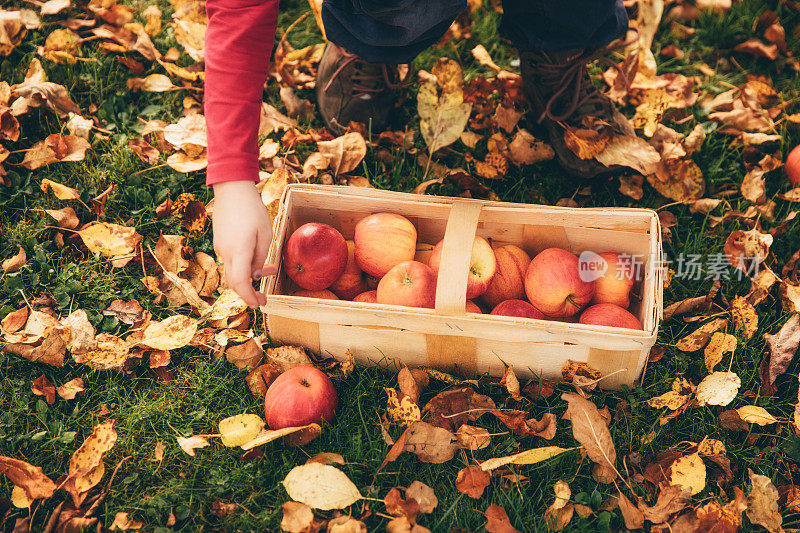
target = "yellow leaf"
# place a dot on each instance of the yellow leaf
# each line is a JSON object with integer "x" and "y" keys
{"x": 699, "y": 337}
{"x": 718, "y": 345}
{"x": 154, "y": 83}
{"x": 107, "y": 352}
{"x": 528, "y": 457}
{"x": 269, "y": 435}
{"x": 744, "y": 316}
{"x": 240, "y": 429}
{"x": 402, "y": 410}
{"x": 756, "y": 415}
{"x": 321, "y": 487}
{"x": 20, "y": 498}
{"x": 440, "y": 104}
{"x": 62, "y": 192}
{"x": 718, "y": 388}
{"x": 688, "y": 472}
{"x": 169, "y": 334}
{"x": 675, "y": 399}
{"x": 111, "y": 240}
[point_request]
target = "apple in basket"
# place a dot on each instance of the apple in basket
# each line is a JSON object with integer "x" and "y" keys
{"x": 519, "y": 308}
{"x": 353, "y": 281}
{"x": 367, "y": 297}
{"x": 410, "y": 283}
{"x": 610, "y": 315}
{"x": 482, "y": 266}
{"x": 508, "y": 281}
{"x": 323, "y": 294}
{"x": 554, "y": 286}
{"x": 302, "y": 395}
{"x": 614, "y": 285}
{"x": 315, "y": 256}
{"x": 382, "y": 241}
{"x": 793, "y": 166}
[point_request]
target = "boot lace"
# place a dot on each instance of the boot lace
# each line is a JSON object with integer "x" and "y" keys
{"x": 569, "y": 83}
{"x": 367, "y": 79}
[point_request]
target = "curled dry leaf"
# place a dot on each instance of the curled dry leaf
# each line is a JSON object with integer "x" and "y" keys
{"x": 590, "y": 429}
{"x": 147, "y": 153}
{"x": 62, "y": 192}
{"x": 294, "y": 436}
{"x": 111, "y": 240}
{"x": 762, "y": 503}
{"x": 472, "y": 481}
{"x": 528, "y": 457}
{"x": 261, "y": 378}
{"x": 498, "y": 521}
{"x": 630, "y": 152}
{"x": 412, "y": 382}
{"x": 676, "y": 398}
{"x": 51, "y": 350}
{"x": 190, "y": 444}
{"x": 525, "y": 149}
{"x": 699, "y": 337}
{"x": 321, "y": 487}
{"x": 783, "y": 347}
{"x": 65, "y": 217}
{"x": 30, "y": 478}
{"x": 672, "y": 499}
{"x": 634, "y": 518}
{"x": 56, "y": 148}
{"x": 286, "y": 357}
{"x": 297, "y": 518}
{"x": 123, "y": 522}
{"x": 86, "y": 464}
{"x": 42, "y": 386}
{"x": 472, "y": 438}
{"x": 15, "y": 262}
{"x": 344, "y": 153}
{"x": 71, "y": 388}
{"x": 560, "y": 512}
{"x": 154, "y": 83}
{"x": 745, "y": 250}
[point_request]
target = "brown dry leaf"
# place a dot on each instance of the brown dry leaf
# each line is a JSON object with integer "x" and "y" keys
{"x": 412, "y": 382}
{"x": 472, "y": 438}
{"x": 441, "y": 107}
{"x": 683, "y": 181}
{"x": 168, "y": 252}
{"x": 169, "y": 334}
{"x": 672, "y": 499}
{"x": 747, "y": 249}
{"x": 321, "y": 487}
{"x": 190, "y": 444}
{"x": 86, "y": 464}
{"x": 30, "y": 478}
{"x": 128, "y": 312}
{"x": 111, "y": 240}
{"x": 631, "y": 186}
{"x": 472, "y": 481}
{"x": 630, "y": 152}
{"x": 261, "y": 378}
{"x": 790, "y": 296}
{"x": 506, "y": 117}
{"x": 146, "y": 153}
{"x": 15, "y": 262}
{"x": 36, "y": 91}
{"x": 762, "y": 503}
{"x": 61, "y": 46}
{"x": 586, "y": 143}
{"x": 189, "y": 24}
{"x": 699, "y": 337}
{"x": 51, "y": 350}
{"x": 71, "y": 388}
{"x": 190, "y": 212}
{"x": 758, "y": 48}
{"x": 154, "y": 83}
{"x": 286, "y": 357}
{"x": 397, "y": 506}
{"x": 344, "y": 153}
{"x": 273, "y": 120}
{"x": 783, "y": 347}
{"x": 591, "y": 430}
{"x": 15, "y": 320}
{"x": 344, "y": 523}
{"x": 327, "y": 458}
{"x": 152, "y": 17}
{"x": 482, "y": 56}
{"x": 744, "y": 316}
{"x": 62, "y": 192}
{"x": 431, "y": 444}
{"x": 498, "y": 521}
{"x": 65, "y": 217}
{"x": 245, "y": 356}
{"x": 56, "y": 148}
{"x": 511, "y": 383}
{"x": 295, "y": 106}
{"x": 525, "y": 149}
{"x": 42, "y": 386}
{"x": 634, "y": 518}
{"x": 560, "y": 512}
{"x": 123, "y": 522}
{"x": 718, "y": 345}
{"x": 298, "y": 518}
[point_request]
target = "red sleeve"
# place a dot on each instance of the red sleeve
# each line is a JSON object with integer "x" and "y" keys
{"x": 237, "y": 48}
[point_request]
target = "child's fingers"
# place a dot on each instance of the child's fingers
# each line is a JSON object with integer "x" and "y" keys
{"x": 238, "y": 273}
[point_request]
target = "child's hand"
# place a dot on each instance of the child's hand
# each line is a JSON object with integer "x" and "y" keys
{"x": 242, "y": 235}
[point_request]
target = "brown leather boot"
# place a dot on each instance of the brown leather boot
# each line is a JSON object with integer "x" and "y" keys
{"x": 350, "y": 89}
{"x": 561, "y": 94}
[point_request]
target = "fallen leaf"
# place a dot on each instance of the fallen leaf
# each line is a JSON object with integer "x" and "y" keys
{"x": 51, "y": 351}
{"x": 441, "y": 107}
{"x": 718, "y": 345}
{"x": 111, "y": 240}
{"x": 482, "y": 56}
{"x": 273, "y": 120}
{"x": 128, "y": 312}
{"x": 86, "y": 464}
{"x": 53, "y": 7}
{"x": 590, "y": 429}
{"x": 783, "y": 347}
{"x": 123, "y": 522}
{"x": 472, "y": 438}
{"x": 756, "y": 415}
{"x": 42, "y": 386}
{"x": 560, "y": 512}
{"x": 286, "y": 357}
{"x": 671, "y": 499}
{"x": 30, "y": 478}
{"x": 424, "y": 496}
{"x": 683, "y": 182}
{"x": 758, "y": 48}
{"x": 528, "y": 457}
{"x": 472, "y": 481}
{"x": 297, "y": 518}
{"x": 107, "y": 352}
{"x": 744, "y": 316}
{"x": 762, "y": 503}
{"x": 190, "y": 444}
{"x": 169, "y": 334}
{"x": 240, "y": 429}
{"x": 71, "y": 388}
{"x": 634, "y": 518}
{"x": 15, "y": 262}
{"x": 630, "y": 152}
{"x": 718, "y": 388}
{"x": 525, "y": 149}
{"x": 745, "y": 250}
{"x": 147, "y": 153}
{"x": 431, "y": 444}
{"x": 497, "y": 520}
{"x": 56, "y": 148}
{"x": 36, "y": 91}
{"x": 295, "y": 106}
{"x": 586, "y": 143}
{"x": 327, "y": 458}
{"x": 412, "y": 382}
{"x": 344, "y": 523}
{"x": 699, "y": 337}
{"x": 688, "y": 472}
{"x": 401, "y": 409}
{"x": 344, "y": 153}
{"x": 261, "y": 378}
{"x": 64, "y": 217}
{"x": 302, "y": 434}
{"x": 321, "y": 487}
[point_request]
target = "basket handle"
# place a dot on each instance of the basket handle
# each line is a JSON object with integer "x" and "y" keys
{"x": 451, "y": 285}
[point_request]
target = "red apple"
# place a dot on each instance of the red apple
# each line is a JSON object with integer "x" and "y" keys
{"x": 517, "y": 308}
{"x": 382, "y": 241}
{"x": 323, "y": 294}
{"x": 410, "y": 283}
{"x": 610, "y": 315}
{"x": 352, "y": 281}
{"x": 554, "y": 285}
{"x": 482, "y": 267}
{"x": 793, "y": 166}
{"x": 508, "y": 282}
{"x": 302, "y": 395}
{"x": 367, "y": 297}
{"x": 424, "y": 251}
{"x": 472, "y": 307}
{"x": 614, "y": 286}
{"x": 315, "y": 256}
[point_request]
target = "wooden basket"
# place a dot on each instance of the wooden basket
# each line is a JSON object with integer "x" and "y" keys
{"x": 446, "y": 337}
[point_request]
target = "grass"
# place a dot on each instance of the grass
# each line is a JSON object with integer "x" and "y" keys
{"x": 205, "y": 391}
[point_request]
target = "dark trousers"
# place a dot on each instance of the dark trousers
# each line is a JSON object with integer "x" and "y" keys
{"x": 395, "y": 31}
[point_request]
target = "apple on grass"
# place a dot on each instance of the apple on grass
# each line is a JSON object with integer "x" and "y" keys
{"x": 367, "y": 297}
{"x": 614, "y": 286}
{"x": 323, "y": 294}
{"x": 519, "y": 308}
{"x": 793, "y": 166}
{"x": 382, "y": 241}
{"x": 410, "y": 283}
{"x": 508, "y": 281}
{"x": 610, "y": 315}
{"x": 553, "y": 283}
{"x": 353, "y": 281}
{"x": 482, "y": 267}
{"x": 315, "y": 256}
{"x": 300, "y": 396}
